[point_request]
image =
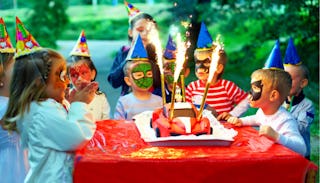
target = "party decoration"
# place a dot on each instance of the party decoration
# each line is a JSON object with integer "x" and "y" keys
{"x": 81, "y": 47}
{"x": 274, "y": 60}
{"x": 204, "y": 39}
{"x": 26, "y": 43}
{"x": 291, "y": 56}
{"x": 5, "y": 43}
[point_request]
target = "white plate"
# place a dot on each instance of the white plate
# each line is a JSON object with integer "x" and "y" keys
{"x": 220, "y": 136}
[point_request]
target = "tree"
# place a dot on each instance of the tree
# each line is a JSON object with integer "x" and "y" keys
{"x": 48, "y": 20}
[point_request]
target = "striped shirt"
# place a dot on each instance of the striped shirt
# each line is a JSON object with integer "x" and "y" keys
{"x": 222, "y": 96}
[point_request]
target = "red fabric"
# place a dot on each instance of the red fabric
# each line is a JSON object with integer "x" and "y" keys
{"x": 125, "y": 157}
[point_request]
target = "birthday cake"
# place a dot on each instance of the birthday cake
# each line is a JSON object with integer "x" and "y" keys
{"x": 184, "y": 121}
{"x": 200, "y": 133}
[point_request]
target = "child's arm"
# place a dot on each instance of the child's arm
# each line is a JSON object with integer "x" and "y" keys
{"x": 116, "y": 74}
{"x": 105, "y": 107}
{"x": 119, "y": 113}
{"x": 240, "y": 108}
{"x": 288, "y": 135}
{"x": 51, "y": 127}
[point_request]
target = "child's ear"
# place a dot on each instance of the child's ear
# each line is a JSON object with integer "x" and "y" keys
{"x": 220, "y": 68}
{"x": 130, "y": 32}
{"x": 274, "y": 95}
{"x": 127, "y": 80}
{"x": 304, "y": 82}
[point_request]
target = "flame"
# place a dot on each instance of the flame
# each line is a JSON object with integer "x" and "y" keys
{"x": 155, "y": 40}
{"x": 214, "y": 62}
{"x": 181, "y": 52}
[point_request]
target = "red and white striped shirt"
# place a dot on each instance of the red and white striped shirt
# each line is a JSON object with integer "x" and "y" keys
{"x": 222, "y": 96}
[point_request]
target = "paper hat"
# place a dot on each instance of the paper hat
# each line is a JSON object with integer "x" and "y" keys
{"x": 26, "y": 43}
{"x": 204, "y": 39}
{"x": 169, "y": 53}
{"x": 5, "y": 43}
{"x": 291, "y": 56}
{"x": 137, "y": 51}
{"x": 132, "y": 11}
{"x": 81, "y": 47}
{"x": 274, "y": 60}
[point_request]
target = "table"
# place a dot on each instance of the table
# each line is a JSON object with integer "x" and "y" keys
{"x": 118, "y": 154}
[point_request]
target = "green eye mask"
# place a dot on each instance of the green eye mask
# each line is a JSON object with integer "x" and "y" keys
{"x": 142, "y": 75}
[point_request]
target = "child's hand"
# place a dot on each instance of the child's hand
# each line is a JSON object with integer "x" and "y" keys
{"x": 269, "y": 133}
{"x": 86, "y": 94}
{"x": 223, "y": 116}
{"x": 235, "y": 121}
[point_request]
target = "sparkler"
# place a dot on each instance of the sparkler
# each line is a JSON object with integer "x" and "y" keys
{"x": 181, "y": 52}
{"x": 213, "y": 67}
{"x": 155, "y": 40}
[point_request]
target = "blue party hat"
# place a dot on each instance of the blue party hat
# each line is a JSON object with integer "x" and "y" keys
{"x": 170, "y": 52}
{"x": 274, "y": 60}
{"x": 137, "y": 51}
{"x": 291, "y": 56}
{"x": 204, "y": 39}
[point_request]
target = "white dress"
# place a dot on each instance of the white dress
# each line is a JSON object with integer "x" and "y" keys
{"x": 100, "y": 107}
{"x": 13, "y": 166}
{"x": 51, "y": 135}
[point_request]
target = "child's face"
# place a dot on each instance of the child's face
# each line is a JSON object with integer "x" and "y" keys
{"x": 297, "y": 79}
{"x": 142, "y": 27}
{"x": 80, "y": 75}
{"x": 140, "y": 76}
{"x": 202, "y": 65}
{"x": 259, "y": 92}
{"x": 57, "y": 81}
{"x": 6, "y": 78}
{"x": 169, "y": 66}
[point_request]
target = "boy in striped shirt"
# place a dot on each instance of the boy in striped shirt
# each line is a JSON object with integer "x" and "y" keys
{"x": 223, "y": 95}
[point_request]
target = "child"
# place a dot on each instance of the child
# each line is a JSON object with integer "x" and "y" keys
{"x": 269, "y": 89}
{"x": 139, "y": 23}
{"x": 169, "y": 64}
{"x": 300, "y": 106}
{"x": 222, "y": 94}
{"x": 139, "y": 76}
{"x": 35, "y": 110}
{"x": 12, "y": 161}
{"x": 83, "y": 71}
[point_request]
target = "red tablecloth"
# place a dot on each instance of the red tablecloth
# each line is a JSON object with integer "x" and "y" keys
{"x": 118, "y": 154}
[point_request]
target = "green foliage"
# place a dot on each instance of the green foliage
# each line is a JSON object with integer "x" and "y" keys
{"x": 48, "y": 20}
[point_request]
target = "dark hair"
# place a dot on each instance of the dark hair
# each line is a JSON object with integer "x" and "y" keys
{"x": 140, "y": 16}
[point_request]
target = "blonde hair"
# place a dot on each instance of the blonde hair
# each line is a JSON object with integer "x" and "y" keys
{"x": 28, "y": 84}
{"x": 276, "y": 79}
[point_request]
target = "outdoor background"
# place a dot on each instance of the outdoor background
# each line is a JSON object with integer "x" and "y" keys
{"x": 249, "y": 30}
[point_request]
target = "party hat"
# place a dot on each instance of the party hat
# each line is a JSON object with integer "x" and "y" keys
{"x": 26, "y": 43}
{"x": 291, "y": 56}
{"x": 137, "y": 51}
{"x": 169, "y": 53}
{"x": 204, "y": 39}
{"x": 5, "y": 43}
{"x": 274, "y": 60}
{"x": 132, "y": 11}
{"x": 81, "y": 47}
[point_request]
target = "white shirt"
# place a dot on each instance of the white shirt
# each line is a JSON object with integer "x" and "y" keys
{"x": 282, "y": 122}
{"x": 100, "y": 107}
{"x": 51, "y": 134}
